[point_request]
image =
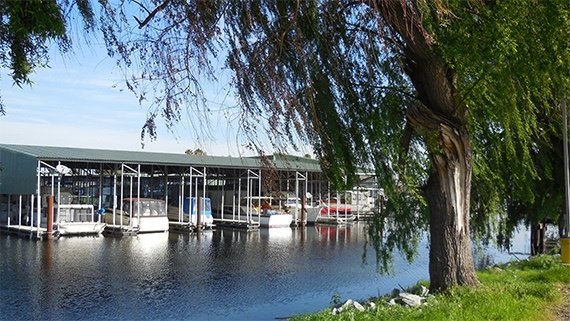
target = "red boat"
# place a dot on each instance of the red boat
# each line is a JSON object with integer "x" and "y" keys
{"x": 333, "y": 210}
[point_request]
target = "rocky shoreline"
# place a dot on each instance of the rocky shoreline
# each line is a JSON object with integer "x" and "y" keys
{"x": 414, "y": 296}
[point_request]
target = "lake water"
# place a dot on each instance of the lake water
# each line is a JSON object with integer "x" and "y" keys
{"x": 218, "y": 275}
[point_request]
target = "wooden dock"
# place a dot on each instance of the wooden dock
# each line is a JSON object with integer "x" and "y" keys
{"x": 184, "y": 227}
{"x": 239, "y": 224}
{"x": 26, "y": 231}
{"x": 117, "y": 230}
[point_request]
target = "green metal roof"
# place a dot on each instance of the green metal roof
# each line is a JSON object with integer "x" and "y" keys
{"x": 50, "y": 153}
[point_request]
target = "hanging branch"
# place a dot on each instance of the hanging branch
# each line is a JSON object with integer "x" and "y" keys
{"x": 150, "y": 14}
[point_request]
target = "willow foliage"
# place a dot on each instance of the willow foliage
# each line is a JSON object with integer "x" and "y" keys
{"x": 513, "y": 63}
{"x": 27, "y": 28}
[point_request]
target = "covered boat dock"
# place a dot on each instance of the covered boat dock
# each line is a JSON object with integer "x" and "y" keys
{"x": 88, "y": 183}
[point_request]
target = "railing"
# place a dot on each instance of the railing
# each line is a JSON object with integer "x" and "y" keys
{"x": 75, "y": 212}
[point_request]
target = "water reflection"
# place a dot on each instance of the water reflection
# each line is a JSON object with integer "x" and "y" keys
{"x": 220, "y": 274}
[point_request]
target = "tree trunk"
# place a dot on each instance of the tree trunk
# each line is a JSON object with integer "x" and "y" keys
{"x": 537, "y": 234}
{"x": 448, "y": 190}
{"x": 448, "y": 196}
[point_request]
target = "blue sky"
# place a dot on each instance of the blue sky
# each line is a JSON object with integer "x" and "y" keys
{"x": 78, "y": 103}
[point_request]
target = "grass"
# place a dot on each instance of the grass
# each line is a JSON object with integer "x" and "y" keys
{"x": 523, "y": 290}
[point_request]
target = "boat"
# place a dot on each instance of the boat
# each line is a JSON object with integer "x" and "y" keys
{"x": 261, "y": 210}
{"x": 294, "y": 206}
{"x": 147, "y": 215}
{"x": 79, "y": 228}
{"x": 189, "y": 206}
{"x": 335, "y": 215}
{"x": 361, "y": 201}
{"x": 77, "y": 219}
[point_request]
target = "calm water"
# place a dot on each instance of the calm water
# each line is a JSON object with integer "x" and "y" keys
{"x": 219, "y": 275}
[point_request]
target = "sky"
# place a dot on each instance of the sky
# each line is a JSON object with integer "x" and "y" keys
{"x": 78, "y": 102}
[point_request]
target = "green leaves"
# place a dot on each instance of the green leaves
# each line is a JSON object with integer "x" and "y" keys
{"x": 25, "y": 30}
{"x": 512, "y": 61}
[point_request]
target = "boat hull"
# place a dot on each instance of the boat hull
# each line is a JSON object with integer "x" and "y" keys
{"x": 151, "y": 224}
{"x": 273, "y": 221}
{"x": 276, "y": 220}
{"x": 80, "y": 228}
{"x": 205, "y": 220}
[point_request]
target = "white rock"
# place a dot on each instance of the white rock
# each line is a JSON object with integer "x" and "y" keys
{"x": 358, "y": 306}
{"x": 348, "y": 303}
{"x": 410, "y": 299}
{"x": 424, "y": 291}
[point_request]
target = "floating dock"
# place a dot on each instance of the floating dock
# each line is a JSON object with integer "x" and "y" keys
{"x": 239, "y": 224}
{"x": 184, "y": 227}
{"x": 117, "y": 230}
{"x": 26, "y": 231}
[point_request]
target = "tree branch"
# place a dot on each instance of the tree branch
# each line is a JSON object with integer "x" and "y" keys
{"x": 405, "y": 144}
{"x": 151, "y": 14}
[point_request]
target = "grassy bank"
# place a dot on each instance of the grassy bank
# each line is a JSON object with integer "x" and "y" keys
{"x": 523, "y": 290}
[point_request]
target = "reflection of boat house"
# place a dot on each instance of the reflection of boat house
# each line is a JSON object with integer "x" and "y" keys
{"x": 103, "y": 177}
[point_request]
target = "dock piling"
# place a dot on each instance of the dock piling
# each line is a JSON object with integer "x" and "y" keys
{"x": 50, "y": 217}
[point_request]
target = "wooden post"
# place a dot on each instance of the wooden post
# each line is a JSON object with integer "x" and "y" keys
{"x": 199, "y": 214}
{"x": 49, "y": 217}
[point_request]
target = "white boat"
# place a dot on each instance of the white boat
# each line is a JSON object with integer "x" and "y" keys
{"x": 267, "y": 214}
{"x": 142, "y": 214}
{"x": 75, "y": 219}
{"x": 294, "y": 206}
{"x": 175, "y": 214}
{"x": 312, "y": 214}
{"x": 80, "y": 228}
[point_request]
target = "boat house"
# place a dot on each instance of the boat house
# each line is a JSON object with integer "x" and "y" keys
{"x": 101, "y": 178}
{"x": 83, "y": 182}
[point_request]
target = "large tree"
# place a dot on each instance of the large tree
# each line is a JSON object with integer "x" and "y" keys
{"x": 429, "y": 93}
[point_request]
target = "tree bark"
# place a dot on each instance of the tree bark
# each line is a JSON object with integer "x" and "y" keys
{"x": 448, "y": 190}
{"x": 448, "y": 196}
{"x": 441, "y": 118}
{"x": 537, "y": 234}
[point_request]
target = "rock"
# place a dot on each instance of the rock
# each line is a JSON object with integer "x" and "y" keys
{"x": 371, "y": 304}
{"x": 430, "y": 298}
{"x": 419, "y": 290}
{"x": 358, "y": 306}
{"x": 424, "y": 291}
{"x": 498, "y": 270}
{"x": 392, "y": 302}
{"x": 348, "y": 303}
{"x": 409, "y": 299}
{"x": 395, "y": 293}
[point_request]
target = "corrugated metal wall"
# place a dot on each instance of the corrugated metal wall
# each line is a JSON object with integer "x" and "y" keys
{"x": 18, "y": 173}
